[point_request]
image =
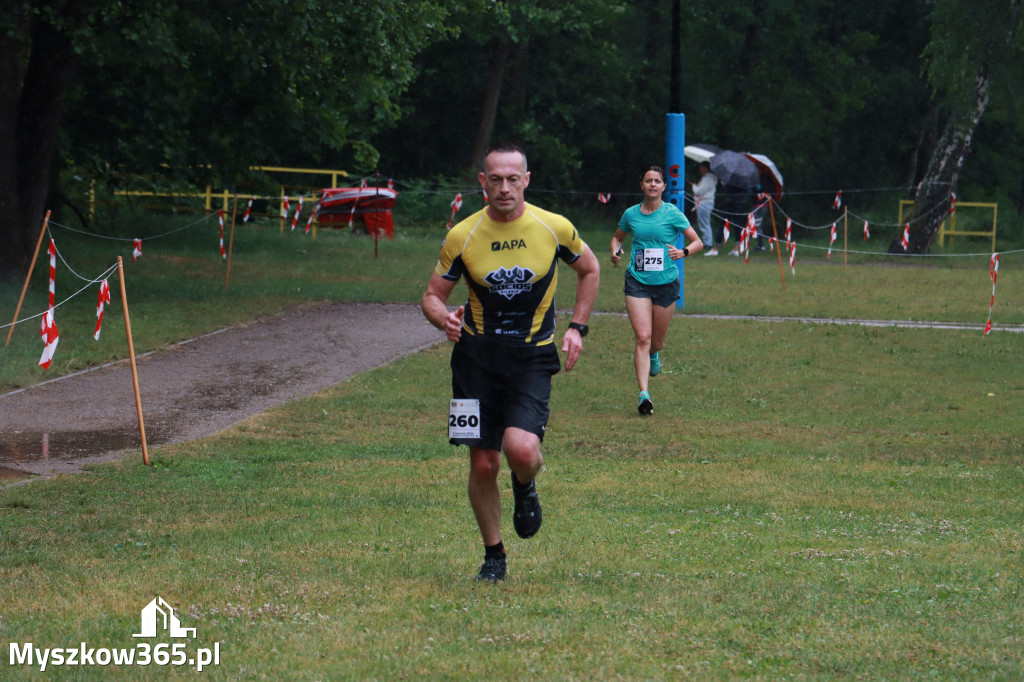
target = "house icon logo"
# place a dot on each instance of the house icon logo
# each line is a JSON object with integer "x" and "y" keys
{"x": 157, "y": 613}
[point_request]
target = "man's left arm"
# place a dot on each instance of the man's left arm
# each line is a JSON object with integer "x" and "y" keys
{"x": 588, "y": 275}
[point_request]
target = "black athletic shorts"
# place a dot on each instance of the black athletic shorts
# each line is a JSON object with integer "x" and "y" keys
{"x": 512, "y": 383}
{"x": 663, "y": 295}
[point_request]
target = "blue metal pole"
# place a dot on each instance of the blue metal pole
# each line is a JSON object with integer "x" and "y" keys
{"x": 675, "y": 168}
{"x": 675, "y": 162}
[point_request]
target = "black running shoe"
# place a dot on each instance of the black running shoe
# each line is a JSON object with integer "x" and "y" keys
{"x": 527, "y": 517}
{"x": 493, "y": 570}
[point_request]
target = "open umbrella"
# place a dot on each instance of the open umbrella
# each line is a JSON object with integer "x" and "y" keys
{"x": 700, "y": 152}
{"x": 769, "y": 170}
{"x": 735, "y": 170}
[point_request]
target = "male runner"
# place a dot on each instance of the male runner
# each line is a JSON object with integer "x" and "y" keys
{"x": 504, "y": 353}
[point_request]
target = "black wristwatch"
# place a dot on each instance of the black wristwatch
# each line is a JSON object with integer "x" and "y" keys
{"x": 581, "y": 328}
{"x": 686, "y": 252}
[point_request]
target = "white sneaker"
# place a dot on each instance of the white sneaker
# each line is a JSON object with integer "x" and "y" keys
{"x": 712, "y": 252}
{"x": 734, "y": 252}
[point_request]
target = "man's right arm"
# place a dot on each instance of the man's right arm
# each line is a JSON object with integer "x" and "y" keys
{"x": 435, "y": 307}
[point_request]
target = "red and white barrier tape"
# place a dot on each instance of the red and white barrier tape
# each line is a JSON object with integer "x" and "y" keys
{"x": 748, "y": 238}
{"x": 309, "y": 223}
{"x": 220, "y": 219}
{"x": 248, "y": 210}
{"x": 52, "y": 250}
{"x": 456, "y": 205}
{"x": 48, "y": 328}
{"x": 50, "y": 338}
{"x": 831, "y": 241}
{"x": 136, "y": 249}
{"x": 100, "y": 305}
{"x": 993, "y": 273}
{"x": 298, "y": 210}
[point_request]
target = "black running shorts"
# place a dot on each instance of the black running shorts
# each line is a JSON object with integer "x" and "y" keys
{"x": 512, "y": 383}
{"x": 663, "y": 295}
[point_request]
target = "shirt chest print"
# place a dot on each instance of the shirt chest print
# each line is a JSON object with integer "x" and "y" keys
{"x": 510, "y": 282}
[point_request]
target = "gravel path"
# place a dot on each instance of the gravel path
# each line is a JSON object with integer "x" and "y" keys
{"x": 201, "y": 386}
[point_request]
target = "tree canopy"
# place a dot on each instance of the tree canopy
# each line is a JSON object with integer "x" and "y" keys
{"x": 849, "y": 95}
{"x": 207, "y": 88}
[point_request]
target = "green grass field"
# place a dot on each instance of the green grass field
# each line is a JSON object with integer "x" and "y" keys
{"x": 809, "y": 501}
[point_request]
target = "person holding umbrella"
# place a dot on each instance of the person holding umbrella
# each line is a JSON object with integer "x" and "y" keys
{"x": 652, "y": 277}
{"x": 704, "y": 204}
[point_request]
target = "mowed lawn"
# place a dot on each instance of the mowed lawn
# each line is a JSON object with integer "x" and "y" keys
{"x": 808, "y": 501}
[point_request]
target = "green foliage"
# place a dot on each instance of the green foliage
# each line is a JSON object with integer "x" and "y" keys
{"x": 227, "y": 86}
{"x": 559, "y": 95}
{"x": 809, "y": 84}
{"x": 837, "y": 95}
{"x": 966, "y": 36}
{"x": 840, "y": 96}
{"x": 427, "y": 203}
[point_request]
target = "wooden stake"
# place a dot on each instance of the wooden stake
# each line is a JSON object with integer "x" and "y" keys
{"x": 131, "y": 357}
{"x": 778, "y": 244}
{"x": 231, "y": 241}
{"x": 31, "y": 267}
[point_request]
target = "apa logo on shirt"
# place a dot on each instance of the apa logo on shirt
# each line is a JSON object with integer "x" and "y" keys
{"x": 510, "y": 282}
{"x": 510, "y": 244}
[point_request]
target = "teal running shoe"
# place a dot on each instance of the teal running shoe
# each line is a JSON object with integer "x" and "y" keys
{"x": 655, "y": 365}
{"x": 645, "y": 406}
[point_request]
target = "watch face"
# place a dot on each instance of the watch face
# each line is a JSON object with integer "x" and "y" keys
{"x": 581, "y": 328}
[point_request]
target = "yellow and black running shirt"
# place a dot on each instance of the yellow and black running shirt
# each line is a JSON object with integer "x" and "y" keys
{"x": 511, "y": 272}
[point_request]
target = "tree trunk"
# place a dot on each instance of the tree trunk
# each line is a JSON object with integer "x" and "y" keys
{"x": 30, "y": 111}
{"x": 10, "y": 80}
{"x": 518, "y": 85}
{"x": 931, "y": 205}
{"x": 489, "y": 106}
{"x": 1020, "y": 195}
{"x": 925, "y": 145}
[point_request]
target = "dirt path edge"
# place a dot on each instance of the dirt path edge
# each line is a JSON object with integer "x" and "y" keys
{"x": 203, "y": 385}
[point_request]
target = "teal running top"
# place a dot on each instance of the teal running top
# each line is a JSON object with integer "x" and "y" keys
{"x": 651, "y": 236}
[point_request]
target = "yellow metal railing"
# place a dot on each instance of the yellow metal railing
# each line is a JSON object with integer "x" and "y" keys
{"x": 208, "y": 195}
{"x": 952, "y": 232}
{"x": 224, "y": 196}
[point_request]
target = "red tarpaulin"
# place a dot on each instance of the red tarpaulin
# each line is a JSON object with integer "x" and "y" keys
{"x": 343, "y": 206}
